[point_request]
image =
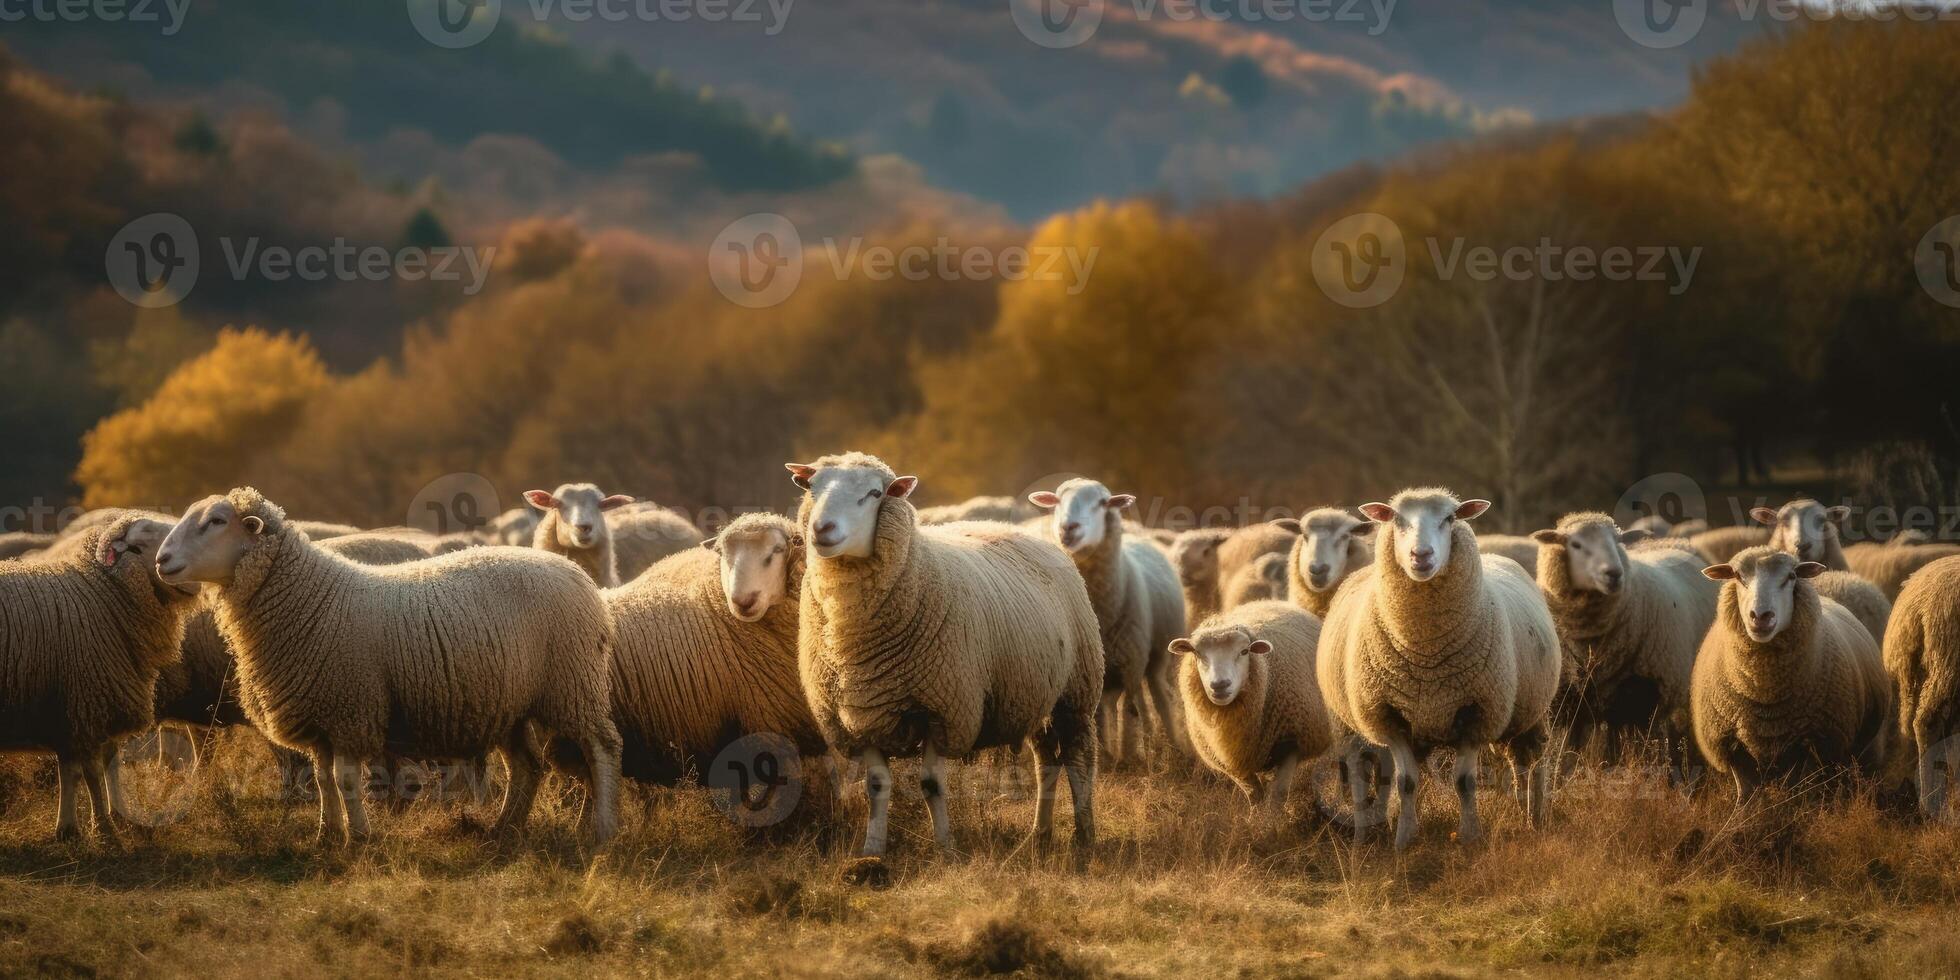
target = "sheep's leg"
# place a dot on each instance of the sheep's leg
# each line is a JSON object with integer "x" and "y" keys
{"x": 1528, "y": 753}
{"x": 1747, "y": 779}
{"x": 932, "y": 783}
{"x": 1048, "y": 780}
{"x": 1080, "y": 760}
{"x": 1163, "y": 700}
{"x": 1468, "y": 829}
{"x": 112, "y": 774}
{"x": 1935, "y": 771}
{"x": 1109, "y": 721}
{"x": 602, "y": 753}
{"x": 1132, "y": 719}
{"x": 1357, "y": 780}
{"x": 523, "y": 760}
{"x": 349, "y": 778}
{"x": 1407, "y": 774}
{"x": 1282, "y": 785}
{"x": 98, "y": 795}
{"x": 333, "y": 826}
{"x": 878, "y": 790}
{"x": 71, "y": 783}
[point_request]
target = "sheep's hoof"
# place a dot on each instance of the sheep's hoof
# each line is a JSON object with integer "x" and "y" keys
{"x": 868, "y": 872}
{"x": 67, "y": 833}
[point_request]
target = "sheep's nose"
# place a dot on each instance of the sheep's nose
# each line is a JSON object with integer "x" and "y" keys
{"x": 1423, "y": 554}
{"x": 1613, "y": 577}
{"x": 1317, "y": 569}
{"x": 746, "y": 603}
{"x": 583, "y": 527}
{"x": 826, "y": 529}
{"x": 1762, "y": 619}
{"x": 1221, "y": 686}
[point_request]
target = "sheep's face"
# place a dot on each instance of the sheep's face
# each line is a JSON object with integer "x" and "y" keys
{"x": 1195, "y": 554}
{"x": 1424, "y": 526}
{"x": 1765, "y": 584}
{"x": 1083, "y": 509}
{"x": 1595, "y": 553}
{"x": 1330, "y": 541}
{"x": 754, "y": 569}
{"x": 1802, "y": 527}
{"x": 845, "y": 501}
{"x": 581, "y": 512}
{"x": 1224, "y": 661}
{"x": 207, "y": 543}
{"x": 140, "y": 539}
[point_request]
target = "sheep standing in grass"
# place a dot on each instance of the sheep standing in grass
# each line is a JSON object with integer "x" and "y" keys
{"x": 1251, "y": 696}
{"x": 1922, "y": 653}
{"x": 707, "y": 651}
{"x": 443, "y": 658}
{"x": 1629, "y": 622}
{"x": 574, "y": 525}
{"x": 1722, "y": 543}
{"x": 1808, "y": 530}
{"x": 1441, "y": 646}
{"x": 1787, "y": 682}
{"x": 1331, "y": 545}
{"x": 81, "y": 641}
{"x": 1195, "y": 557}
{"x": 1138, "y": 604}
{"x": 942, "y": 640}
{"x": 1888, "y": 566}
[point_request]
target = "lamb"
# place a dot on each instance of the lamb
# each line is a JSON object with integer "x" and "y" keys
{"x": 1889, "y": 566}
{"x": 1518, "y": 548}
{"x": 644, "y": 535}
{"x": 1195, "y": 556}
{"x": 575, "y": 526}
{"x": 1332, "y": 544}
{"x": 81, "y": 641}
{"x": 1251, "y": 697}
{"x": 442, "y": 658}
{"x": 1242, "y": 550}
{"x": 707, "y": 651}
{"x": 1138, "y": 602}
{"x": 1722, "y": 543}
{"x": 1808, "y": 530}
{"x": 942, "y": 640}
{"x": 1441, "y": 646}
{"x": 15, "y": 544}
{"x": 1787, "y": 682}
{"x": 1629, "y": 622}
{"x": 1922, "y": 653}
{"x": 1262, "y": 580}
{"x": 973, "y": 509}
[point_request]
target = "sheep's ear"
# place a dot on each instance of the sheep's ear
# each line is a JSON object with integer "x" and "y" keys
{"x": 1719, "y": 572}
{"x": 1635, "y": 535}
{"x": 1548, "y": 536}
{"x": 1260, "y": 646}
{"x": 800, "y": 473}
{"x": 1763, "y": 515}
{"x": 902, "y": 487}
{"x": 1044, "y": 499}
{"x": 108, "y": 551}
{"x": 541, "y": 499}
{"x": 1838, "y": 515}
{"x": 1121, "y": 500}
{"x": 710, "y": 543}
{"x": 616, "y": 500}
{"x": 1810, "y": 569}
{"x": 1470, "y": 510}
{"x": 1183, "y": 644}
{"x": 1379, "y": 513}
{"x": 253, "y": 524}
{"x": 1288, "y": 524}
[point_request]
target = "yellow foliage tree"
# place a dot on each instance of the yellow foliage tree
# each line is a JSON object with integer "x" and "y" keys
{"x": 205, "y": 425}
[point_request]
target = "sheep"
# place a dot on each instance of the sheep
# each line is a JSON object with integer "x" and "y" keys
{"x": 974, "y": 509}
{"x": 1722, "y": 543}
{"x": 1516, "y": 547}
{"x": 1441, "y": 646}
{"x": 1922, "y": 654}
{"x": 1138, "y": 602}
{"x": 441, "y": 658}
{"x": 944, "y": 640}
{"x": 81, "y": 641}
{"x": 1808, "y": 530}
{"x": 1195, "y": 556}
{"x": 707, "y": 651}
{"x": 15, "y": 544}
{"x": 1331, "y": 545}
{"x": 1862, "y": 598}
{"x": 1630, "y": 617}
{"x": 1654, "y": 525}
{"x": 324, "y": 530}
{"x": 1787, "y": 682}
{"x": 644, "y": 535}
{"x": 1251, "y": 698}
{"x": 1243, "y": 549}
{"x": 1262, "y": 580}
{"x": 575, "y": 526}
{"x": 1688, "y": 528}
{"x": 1889, "y": 566}
{"x": 515, "y": 526}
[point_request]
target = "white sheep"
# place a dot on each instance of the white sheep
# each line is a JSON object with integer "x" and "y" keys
{"x": 1922, "y": 653}
{"x": 942, "y": 640}
{"x": 1888, "y": 566}
{"x": 1251, "y": 698}
{"x": 973, "y": 509}
{"x": 1195, "y": 557}
{"x": 1331, "y": 545}
{"x": 1787, "y": 682}
{"x": 1807, "y": 529}
{"x": 1441, "y": 646}
{"x": 1138, "y": 604}
{"x": 643, "y": 535}
{"x": 324, "y": 530}
{"x": 1516, "y": 547}
{"x": 443, "y": 658}
{"x": 1629, "y": 622}
{"x": 1722, "y": 543}
{"x": 574, "y": 525}
{"x": 81, "y": 641}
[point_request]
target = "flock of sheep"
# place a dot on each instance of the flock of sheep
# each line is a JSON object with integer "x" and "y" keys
{"x": 618, "y": 643}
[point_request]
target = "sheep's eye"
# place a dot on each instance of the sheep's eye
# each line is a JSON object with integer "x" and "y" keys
{"x": 874, "y": 495}
{"x": 768, "y": 561}
{"x": 1449, "y": 518}
{"x": 215, "y": 522}
{"x": 134, "y": 549}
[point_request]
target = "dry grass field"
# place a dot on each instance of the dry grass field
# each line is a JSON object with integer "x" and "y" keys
{"x": 1630, "y": 879}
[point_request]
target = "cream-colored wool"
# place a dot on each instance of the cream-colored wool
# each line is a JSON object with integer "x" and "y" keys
{"x": 1865, "y": 601}
{"x": 949, "y": 640}
{"x": 443, "y": 658}
{"x": 1519, "y": 549}
{"x": 688, "y": 678}
{"x": 1922, "y": 653}
{"x": 1194, "y": 555}
{"x": 1277, "y": 719}
{"x": 1261, "y": 581}
{"x": 557, "y": 534}
{"x": 1722, "y": 543}
{"x": 1239, "y": 581}
{"x": 1807, "y": 529}
{"x": 1889, "y": 566}
{"x": 1815, "y": 696}
{"x": 1629, "y": 654}
{"x": 81, "y": 641}
{"x": 1332, "y": 545}
{"x": 1688, "y": 528}
{"x": 105, "y": 516}
{"x": 515, "y": 527}
{"x": 643, "y": 536}
{"x": 1467, "y": 658}
{"x": 973, "y": 509}
{"x": 324, "y": 530}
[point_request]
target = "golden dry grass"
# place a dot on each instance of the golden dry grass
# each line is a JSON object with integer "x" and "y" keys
{"x": 1630, "y": 879}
